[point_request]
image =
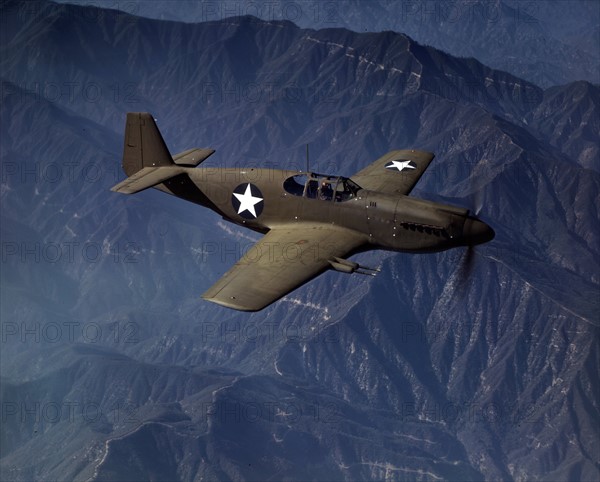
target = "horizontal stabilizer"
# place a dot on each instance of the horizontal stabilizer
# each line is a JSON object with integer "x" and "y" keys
{"x": 145, "y": 178}
{"x": 192, "y": 157}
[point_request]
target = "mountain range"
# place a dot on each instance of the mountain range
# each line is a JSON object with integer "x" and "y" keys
{"x": 548, "y": 42}
{"x": 113, "y": 368}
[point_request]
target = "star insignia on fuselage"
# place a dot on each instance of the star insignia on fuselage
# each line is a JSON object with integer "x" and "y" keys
{"x": 400, "y": 165}
{"x": 247, "y": 200}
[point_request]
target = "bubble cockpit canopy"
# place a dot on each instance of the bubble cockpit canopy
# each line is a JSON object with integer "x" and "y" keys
{"x": 319, "y": 186}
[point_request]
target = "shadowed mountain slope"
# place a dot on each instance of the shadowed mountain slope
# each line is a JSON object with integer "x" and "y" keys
{"x": 114, "y": 369}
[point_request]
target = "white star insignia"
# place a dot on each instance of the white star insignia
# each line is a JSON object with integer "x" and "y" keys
{"x": 400, "y": 165}
{"x": 247, "y": 201}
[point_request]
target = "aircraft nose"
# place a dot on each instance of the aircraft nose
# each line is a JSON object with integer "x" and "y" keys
{"x": 476, "y": 232}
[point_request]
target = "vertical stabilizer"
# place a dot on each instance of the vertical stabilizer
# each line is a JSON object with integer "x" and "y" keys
{"x": 144, "y": 146}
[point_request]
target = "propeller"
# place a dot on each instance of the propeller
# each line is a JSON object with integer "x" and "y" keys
{"x": 465, "y": 268}
{"x": 474, "y": 232}
{"x": 477, "y": 182}
{"x": 477, "y": 201}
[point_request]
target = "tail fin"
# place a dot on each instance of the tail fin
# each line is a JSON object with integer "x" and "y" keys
{"x": 146, "y": 159}
{"x": 144, "y": 146}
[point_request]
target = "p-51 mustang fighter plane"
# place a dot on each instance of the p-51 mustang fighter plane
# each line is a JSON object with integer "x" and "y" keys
{"x": 311, "y": 222}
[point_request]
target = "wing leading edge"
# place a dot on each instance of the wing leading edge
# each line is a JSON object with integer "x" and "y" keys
{"x": 284, "y": 259}
{"x": 396, "y": 172}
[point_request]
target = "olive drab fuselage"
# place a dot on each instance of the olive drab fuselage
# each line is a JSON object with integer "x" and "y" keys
{"x": 388, "y": 221}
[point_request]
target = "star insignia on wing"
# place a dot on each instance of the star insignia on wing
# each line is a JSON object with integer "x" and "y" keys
{"x": 247, "y": 201}
{"x": 400, "y": 165}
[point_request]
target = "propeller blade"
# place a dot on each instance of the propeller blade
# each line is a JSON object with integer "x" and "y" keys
{"x": 478, "y": 201}
{"x": 465, "y": 269}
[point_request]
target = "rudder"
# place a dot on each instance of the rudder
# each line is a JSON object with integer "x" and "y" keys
{"x": 143, "y": 145}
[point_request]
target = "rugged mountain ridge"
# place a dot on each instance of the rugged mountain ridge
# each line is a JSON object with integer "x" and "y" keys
{"x": 546, "y": 42}
{"x": 416, "y": 374}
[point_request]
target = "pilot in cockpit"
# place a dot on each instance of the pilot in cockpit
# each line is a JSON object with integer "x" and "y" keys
{"x": 326, "y": 193}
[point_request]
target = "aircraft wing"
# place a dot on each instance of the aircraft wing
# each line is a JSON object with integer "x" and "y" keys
{"x": 396, "y": 172}
{"x": 285, "y": 258}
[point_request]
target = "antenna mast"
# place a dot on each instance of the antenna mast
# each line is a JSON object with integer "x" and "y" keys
{"x": 307, "y": 169}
